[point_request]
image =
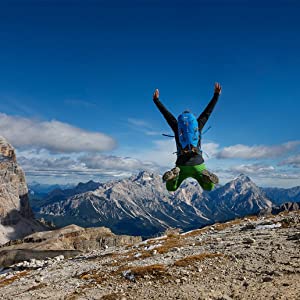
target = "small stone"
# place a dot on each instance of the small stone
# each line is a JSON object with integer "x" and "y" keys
{"x": 226, "y": 297}
{"x": 184, "y": 279}
{"x": 267, "y": 279}
{"x": 294, "y": 237}
{"x": 59, "y": 258}
{"x": 233, "y": 258}
{"x": 177, "y": 281}
{"x": 176, "y": 249}
{"x": 285, "y": 284}
{"x": 249, "y": 226}
{"x": 279, "y": 247}
{"x": 128, "y": 275}
{"x": 249, "y": 240}
{"x": 276, "y": 273}
{"x": 245, "y": 283}
{"x": 185, "y": 272}
{"x": 39, "y": 279}
{"x": 26, "y": 264}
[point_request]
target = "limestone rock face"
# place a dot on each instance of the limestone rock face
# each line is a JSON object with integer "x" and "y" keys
{"x": 16, "y": 216}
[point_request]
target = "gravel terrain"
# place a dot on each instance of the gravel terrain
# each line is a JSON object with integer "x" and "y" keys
{"x": 254, "y": 258}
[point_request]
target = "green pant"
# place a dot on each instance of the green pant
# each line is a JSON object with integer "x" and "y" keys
{"x": 189, "y": 171}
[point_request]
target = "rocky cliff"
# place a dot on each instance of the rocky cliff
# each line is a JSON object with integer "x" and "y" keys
{"x": 16, "y": 217}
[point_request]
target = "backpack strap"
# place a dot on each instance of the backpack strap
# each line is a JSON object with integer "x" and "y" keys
{"x": 168, "y": 135}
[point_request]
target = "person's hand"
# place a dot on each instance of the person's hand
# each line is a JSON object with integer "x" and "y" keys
{"x": 156, "y": 94}
{"x": 218, "y": 88}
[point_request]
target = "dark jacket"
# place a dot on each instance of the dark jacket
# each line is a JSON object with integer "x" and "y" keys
{"x": 188, "y": 159}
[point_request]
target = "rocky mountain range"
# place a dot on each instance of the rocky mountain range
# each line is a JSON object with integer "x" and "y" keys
{"x": 140, "y": 205}
{"x": 39, "y": 196}
{"x": 43, "y": 189}
{"x": 280, "y": 195}
{"x": 16, "y": 216}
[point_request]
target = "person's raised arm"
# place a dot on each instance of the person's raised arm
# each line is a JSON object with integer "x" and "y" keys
{"x": 171, "y": 120}
{"x": 202, "y": 119}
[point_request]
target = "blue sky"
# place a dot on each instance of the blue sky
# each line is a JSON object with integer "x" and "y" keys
{"x": 77, "y": 77}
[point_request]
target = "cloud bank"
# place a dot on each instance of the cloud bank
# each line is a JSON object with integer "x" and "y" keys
{"x": 255, "y": 152}
{"x": 52, "y": 135}
{"x": 80, "y": 166}
{"x": 293, "y": 161}
{"x": 252, "y": 169}
{"x": 104, "y": 162}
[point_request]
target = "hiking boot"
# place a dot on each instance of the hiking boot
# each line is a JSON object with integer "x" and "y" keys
{"x": 169, "y": 175}
{"x": 209, "y": 177}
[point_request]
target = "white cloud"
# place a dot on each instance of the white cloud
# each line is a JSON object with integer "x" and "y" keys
{"x": 293, "y": 161}
{"x": 255, "y": 152}
{"x": 52, "y": 135}
{"x": 50, "y": 163}
{"x": 252, "y": 169}
{"x": 115, "y": 163}
{"x": 162, "y": 153}
{"x": 40, "y": 165}
{"x": 261, "y": 174}
{"x": 263, "y": 171}
{"x": 211, "y": 149}
{"x": 285, "y": 176}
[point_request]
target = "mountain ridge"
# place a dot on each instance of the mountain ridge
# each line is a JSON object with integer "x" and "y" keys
{"x": 141, "y": 205}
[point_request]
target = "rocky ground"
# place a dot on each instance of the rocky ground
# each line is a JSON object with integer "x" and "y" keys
{"x": 255, "y": 258}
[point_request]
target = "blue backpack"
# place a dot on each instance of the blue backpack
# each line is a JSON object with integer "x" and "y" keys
{"x": 188, "y": 133}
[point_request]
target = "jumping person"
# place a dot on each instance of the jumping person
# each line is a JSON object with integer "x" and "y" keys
{"x": 187, "y": 132}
